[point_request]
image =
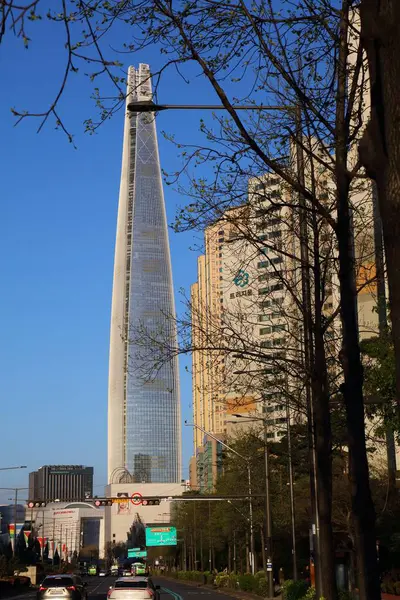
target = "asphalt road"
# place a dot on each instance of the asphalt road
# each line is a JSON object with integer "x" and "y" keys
{"x": 170, "y": 590}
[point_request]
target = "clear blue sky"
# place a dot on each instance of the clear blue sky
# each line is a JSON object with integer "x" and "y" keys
{"x": 58, "y": 220}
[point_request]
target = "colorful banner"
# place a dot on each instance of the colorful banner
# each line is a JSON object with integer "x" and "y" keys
{"x": 42, "y": 542}
{"x": 11, "y": 531}
{"x": 26, "y": 536}
{"x": 51, "y": 549}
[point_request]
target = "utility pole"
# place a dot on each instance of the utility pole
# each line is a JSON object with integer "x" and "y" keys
{"x": 209, "y": 539}
{"x": 194, "y": 536}
{"x": 291, "y": 488}
{"x": 43, "y": 537}
{"x": 54, "y": 548}
{"x": 308, "y": 356}
{"x": 268, "y": 519}
{"x": 15, "y": 520}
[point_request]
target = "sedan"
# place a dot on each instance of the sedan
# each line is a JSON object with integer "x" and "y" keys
{"x": 65, "y": 587}
{"x": 134, "y": 588}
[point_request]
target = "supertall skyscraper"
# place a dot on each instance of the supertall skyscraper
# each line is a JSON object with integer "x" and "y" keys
{"x": 143, "y": 416}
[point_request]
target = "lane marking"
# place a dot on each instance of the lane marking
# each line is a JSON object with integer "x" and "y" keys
{"x": 96, "y": 588}
{"x": 175, "y": 595}
{"x": 27, "y": 595}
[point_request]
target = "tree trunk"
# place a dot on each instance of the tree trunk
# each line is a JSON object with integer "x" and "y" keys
{"x": 323, "y": 447}
{"x": 380, "y": 146}
{"x": 264, "y": 557}
{"x": 363, "y": 512}
{"x": 318, "y": 397}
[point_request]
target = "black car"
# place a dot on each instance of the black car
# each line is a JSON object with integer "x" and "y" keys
{"x": 65, "y": 587}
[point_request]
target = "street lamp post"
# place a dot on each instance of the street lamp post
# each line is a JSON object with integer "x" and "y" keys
{"x": 148, "y": 106}
{"x": 247, "y": 461}
{"x": 268, "y": 515}
{"x": 12, "y": 468}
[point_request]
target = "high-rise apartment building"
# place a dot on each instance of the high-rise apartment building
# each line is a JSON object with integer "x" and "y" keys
{"x": 239, "y": 303}
{"x": 206, "y": 312}
{"x": 143, "y": 413}
{"x": 65, "y": 483}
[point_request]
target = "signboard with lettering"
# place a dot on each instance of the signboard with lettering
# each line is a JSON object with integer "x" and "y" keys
{"x": 161, "y": 536}
{"x": 134, "y": 553}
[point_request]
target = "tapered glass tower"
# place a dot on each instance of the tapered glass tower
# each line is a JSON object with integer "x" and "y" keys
{"x": 143, "y": 417}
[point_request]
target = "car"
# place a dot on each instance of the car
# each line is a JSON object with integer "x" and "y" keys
{"x": 134, "y": 588}
{"x": 139, "y": 569}
{"x": 126, "y": 573}
{"x": 103, "y": 573}
{"x": 67, "y": 587}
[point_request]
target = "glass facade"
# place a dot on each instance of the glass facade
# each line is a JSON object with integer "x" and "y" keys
{"x": 150, "y": 409}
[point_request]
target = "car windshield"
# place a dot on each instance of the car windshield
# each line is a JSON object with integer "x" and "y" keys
{"x": 58, "y": 582}
{"x": 131, "y": 584}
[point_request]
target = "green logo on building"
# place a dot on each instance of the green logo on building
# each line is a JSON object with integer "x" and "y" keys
{"x": 241, "y": 279}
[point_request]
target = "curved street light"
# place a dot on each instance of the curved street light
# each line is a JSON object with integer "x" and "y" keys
{"x": 247, "y": 461}
{"x": 10, "y": 468}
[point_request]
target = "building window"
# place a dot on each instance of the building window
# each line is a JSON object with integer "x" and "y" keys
{"x": 265, "y": 330}
{"x": 266, "y": 344}
{"x": 274, "y": 234}
{"x": 277, "y": 328}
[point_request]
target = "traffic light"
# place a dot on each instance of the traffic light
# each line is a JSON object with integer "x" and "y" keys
{"x": 151, "y": 501}
{"x": 102, "y": 502}
{"x": 36, "y": 504}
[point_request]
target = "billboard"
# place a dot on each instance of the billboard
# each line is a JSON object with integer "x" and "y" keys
{"x": 161, "y": 536}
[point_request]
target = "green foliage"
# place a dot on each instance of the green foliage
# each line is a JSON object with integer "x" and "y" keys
{"x": 262, "y": 587}
{"x": 391, "y": 582}
{"x": 248, "y": 583}
{"x": 380, "y": 378}
{"x": 310, "y": 594}
{"x": 294, "y": 590}
{"x": 256, "y": 584}
{"x": 344, "y": 595}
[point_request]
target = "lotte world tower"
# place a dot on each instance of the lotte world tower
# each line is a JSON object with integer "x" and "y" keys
{"x": 143, "y": 416}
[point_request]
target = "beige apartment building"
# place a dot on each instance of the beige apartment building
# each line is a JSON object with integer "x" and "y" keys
{"x": 241, "y": 316}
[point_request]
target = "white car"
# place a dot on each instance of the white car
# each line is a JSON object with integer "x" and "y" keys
{"x": 134, "y": 588}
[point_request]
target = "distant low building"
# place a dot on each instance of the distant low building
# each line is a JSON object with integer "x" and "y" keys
{"x": 69, "y": 527}
{"x": 66, "y": 483}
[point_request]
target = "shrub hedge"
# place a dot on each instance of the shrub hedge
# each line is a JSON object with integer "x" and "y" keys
{"x": 246, "y": 583}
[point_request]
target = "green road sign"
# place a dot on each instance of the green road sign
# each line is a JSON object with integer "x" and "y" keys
{"x": 161, "y": 536}
{"x": 136, "y": 553}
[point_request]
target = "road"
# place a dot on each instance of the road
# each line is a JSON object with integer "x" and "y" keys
{"x": 170, "y": 590}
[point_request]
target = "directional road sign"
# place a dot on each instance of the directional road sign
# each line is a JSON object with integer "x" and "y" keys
{"x": 161, "y": 536}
